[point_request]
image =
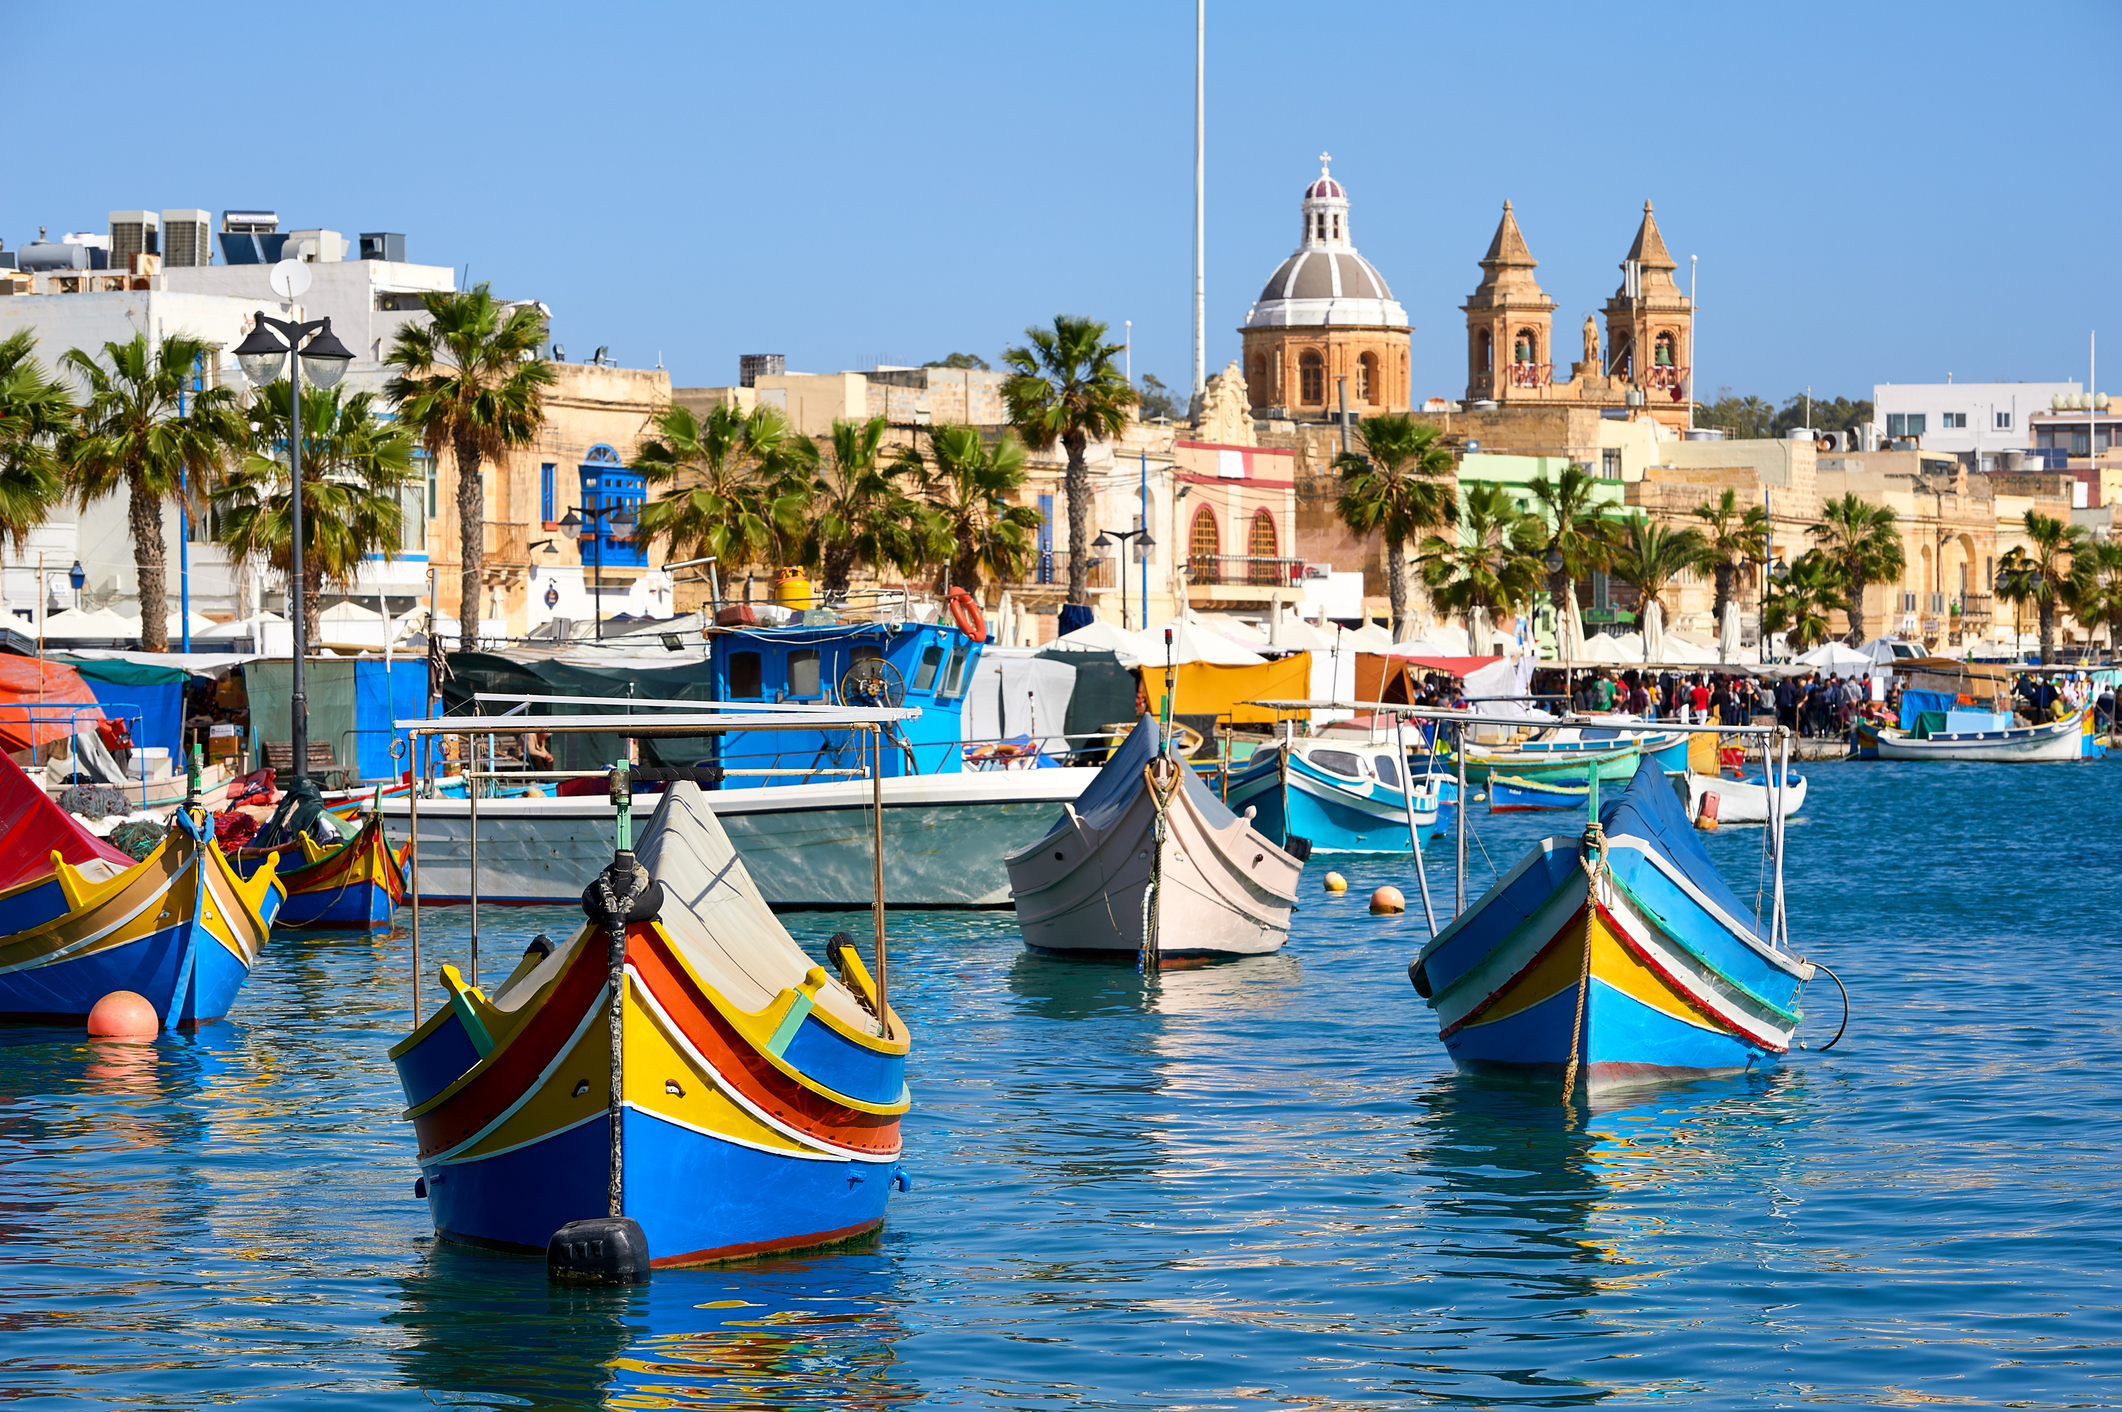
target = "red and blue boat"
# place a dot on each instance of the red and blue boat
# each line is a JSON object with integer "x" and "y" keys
{"x": 759, "y": 1092}
{"x": 354, "y": 883}
{"x": 80, "y": 919}
{"x": 1614, "y": 959}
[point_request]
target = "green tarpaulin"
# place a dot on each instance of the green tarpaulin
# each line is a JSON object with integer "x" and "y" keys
{"x": 474, "y": 672}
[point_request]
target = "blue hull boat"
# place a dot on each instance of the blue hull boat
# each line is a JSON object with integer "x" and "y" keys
{"x": 1617, "y": 959}
{"x": 1342, "y": 795}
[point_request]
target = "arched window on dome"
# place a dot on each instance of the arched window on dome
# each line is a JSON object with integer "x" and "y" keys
{"x": 1311, "y": 375}
{"x": 1260, "y": 545}
{"x": 1203, "y": 544}
{"x": 1367, "y": 378}
{"x": 1337, "y": 227}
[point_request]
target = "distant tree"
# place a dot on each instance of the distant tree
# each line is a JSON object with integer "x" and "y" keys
{"x": 131, "y": 437}
{"x": 1648, "y": 556}
{"x": 1797, "y": 604}
{"x": 1493, "y": 562}
{"x": 1740, "y": 418}
{"x": 354, "y": 471}
{"x": 470, "y": 382}
{"x": 1396, "y": 488}
{"x": 35, "y": 411}
{"x": 2053, "y": 545}
{"x": 1731, "y": 537}
{"x": 1864, "y": 540}
{"x": 2094, "y": 590}
{"x": 959, "y": 360}
{"x": 1156, "y": 400}
{"x": 1065, "y": 387}
{"x": 1836, "y": 414}
{"x": 969, "y": 492}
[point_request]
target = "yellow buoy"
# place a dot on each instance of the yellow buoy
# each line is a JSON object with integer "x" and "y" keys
{"x": 1336, "y": 883}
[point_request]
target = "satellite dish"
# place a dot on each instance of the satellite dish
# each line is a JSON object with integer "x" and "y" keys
{"x": 289, "y": 279}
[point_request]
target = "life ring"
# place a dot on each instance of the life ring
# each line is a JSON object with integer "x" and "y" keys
{"x": 965, "y": 612}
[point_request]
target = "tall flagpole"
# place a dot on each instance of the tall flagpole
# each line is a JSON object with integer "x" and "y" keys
{"x": 1200, "y": 183}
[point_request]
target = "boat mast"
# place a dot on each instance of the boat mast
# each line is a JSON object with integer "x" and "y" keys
{"x": 1407, "y": 795}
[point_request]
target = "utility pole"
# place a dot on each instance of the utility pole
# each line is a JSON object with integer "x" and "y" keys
{"x": 1200, "y": 388}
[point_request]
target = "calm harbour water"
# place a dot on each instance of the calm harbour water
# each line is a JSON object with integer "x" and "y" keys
{"x": 1254, "y": 1184}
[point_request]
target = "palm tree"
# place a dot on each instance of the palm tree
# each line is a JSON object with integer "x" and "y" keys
{"x": 2015, "y": 575}
{"x": 1797, "y": 604}
{"x": 131, "y": 436}
{"x": 1576, "y": 535}
{"x": 1066, "y": 388}
{"x": 2054, "y": 544}
{"x": 354, "y": 472}
{"x": 1864, "y": 540}
{"x": 470, "y": 381}
{"x": 969, "y": 493}
{"x": 1647, "y": 556}
{"x": 2094, "y": 591}
{"x": 859, "y": 513}
{"x": 35, "y": 412}
{"x": 1731, "y": 537}
{"x": 739, "y": 483}
{"x": 1492, "y": 562}
{"x": 1396, "y": 488}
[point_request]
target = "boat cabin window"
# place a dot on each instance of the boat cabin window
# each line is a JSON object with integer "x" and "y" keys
{"x": 803, "y": 672}
{"x": 925, "y": 674}
{"x": 953, "y": 673}
{"x": 1387, "y": 770}
{"x": 744, "y": 677}
{"x": 1338, "y": 762}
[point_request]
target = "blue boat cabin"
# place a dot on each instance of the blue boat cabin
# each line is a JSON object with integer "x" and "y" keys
{"x": 927, "y": 665}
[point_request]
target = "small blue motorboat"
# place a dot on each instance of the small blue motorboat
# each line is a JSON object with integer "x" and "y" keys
{"x": 1343, "y": 795}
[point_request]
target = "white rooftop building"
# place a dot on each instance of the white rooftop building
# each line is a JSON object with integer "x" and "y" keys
{"x": 1979, "y": 417}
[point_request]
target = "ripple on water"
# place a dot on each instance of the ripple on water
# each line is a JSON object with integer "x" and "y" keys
{"x": 1245, "y": 1184}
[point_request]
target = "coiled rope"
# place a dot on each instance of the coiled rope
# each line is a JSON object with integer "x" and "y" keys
{"x": 1845, "y": 1006}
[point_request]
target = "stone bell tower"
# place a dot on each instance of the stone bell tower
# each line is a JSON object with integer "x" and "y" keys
{"x": 1509, "y": 322}
{"x": 1650, "y": 324}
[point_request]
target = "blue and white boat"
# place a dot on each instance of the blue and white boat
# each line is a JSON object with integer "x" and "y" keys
{"x": 1343, "y": 795}
{"x": 1617, "y": 958}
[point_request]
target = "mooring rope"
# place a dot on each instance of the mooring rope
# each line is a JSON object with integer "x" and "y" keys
{"x": 1594, "y": 847}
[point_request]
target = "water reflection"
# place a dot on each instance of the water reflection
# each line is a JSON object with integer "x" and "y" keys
{"x": 809, "y": 1332}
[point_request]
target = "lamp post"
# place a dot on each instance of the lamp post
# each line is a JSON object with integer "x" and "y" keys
{"x": 621, "y": 527}
{"x": 324, "y": 358}
{"x": 1105, "y": 541}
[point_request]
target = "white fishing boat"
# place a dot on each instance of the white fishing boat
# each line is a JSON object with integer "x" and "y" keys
{"x": 2016, "y": 745}
{"x": 1149, "y": 863}
{"x": 1739, "y": 801}
{"x": 805, "y": 845}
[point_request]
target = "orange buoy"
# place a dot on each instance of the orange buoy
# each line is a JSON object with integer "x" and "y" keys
{"x": 1336, "y": 883}
{"x": 124, "y": 1014}
{"x": 1707, "y": 819}
{"x": 1387, "y": 900}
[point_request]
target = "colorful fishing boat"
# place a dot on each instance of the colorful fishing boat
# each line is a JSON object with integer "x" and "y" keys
{"x": 354, "y": 882}
{"x": 1613, "y": 763}
{"x": 1149, "y": 864}
{"x": 80, "y": 919}
{"x": 1615, "y": 959}
{"x": 1739, "y": 801}
{"x": 2013, "y": 745}
{"x": 1508, "y": 794}
{"x": 1343, "y": 796}
{"x": 757, "y": 1094}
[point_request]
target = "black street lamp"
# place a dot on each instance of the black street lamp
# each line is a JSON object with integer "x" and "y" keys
{"x": 621, "y": 526}
{"x": 1105, "y": 541}
{"x": 324, "y": 358}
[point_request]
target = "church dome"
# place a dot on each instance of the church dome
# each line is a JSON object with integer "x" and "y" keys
{"x": 1325, "y": 281}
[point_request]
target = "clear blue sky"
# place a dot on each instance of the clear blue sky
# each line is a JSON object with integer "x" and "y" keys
{"x": 1877, "y": 192}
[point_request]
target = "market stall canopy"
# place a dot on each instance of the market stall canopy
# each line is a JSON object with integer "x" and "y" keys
{"x": 1101, "y": 636}
{"x": 1193, "y": 643}
{"x": 1395, "y": 676}
{"x": 40, "y": 701}
{"x": 1837, "y": 657}
{"x": 1230, "y": 691}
